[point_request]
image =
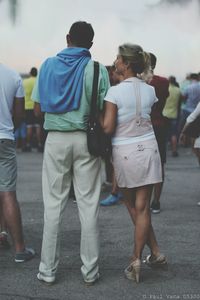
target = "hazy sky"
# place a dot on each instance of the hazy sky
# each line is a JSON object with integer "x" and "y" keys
{"x": 171, "y": 31}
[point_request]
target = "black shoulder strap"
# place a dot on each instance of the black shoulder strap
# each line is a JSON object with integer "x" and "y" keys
{"x": 94, "y": 89}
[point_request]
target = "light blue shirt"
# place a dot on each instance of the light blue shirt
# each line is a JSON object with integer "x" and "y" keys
{"x": 11, "y": 86}
{"x": 192, "y": 93}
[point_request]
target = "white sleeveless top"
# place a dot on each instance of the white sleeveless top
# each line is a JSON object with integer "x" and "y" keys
{"x": 125, "y": 96}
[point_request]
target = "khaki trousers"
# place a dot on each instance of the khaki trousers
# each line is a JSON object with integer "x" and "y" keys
{"x": 66, "y": 158}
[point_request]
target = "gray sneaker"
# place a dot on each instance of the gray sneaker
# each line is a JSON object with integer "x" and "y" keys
{"x": 155, "y": 207}
{"x": 26, "y": 255}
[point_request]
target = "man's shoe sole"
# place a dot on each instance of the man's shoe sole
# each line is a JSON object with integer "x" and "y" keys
{"x": 43, "y": 281}
{"x": 91, "y": 283}
{"x": 154, "y": 211}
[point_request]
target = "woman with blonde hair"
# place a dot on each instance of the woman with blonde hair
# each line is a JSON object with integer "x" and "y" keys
{"x": 135, "y": 154}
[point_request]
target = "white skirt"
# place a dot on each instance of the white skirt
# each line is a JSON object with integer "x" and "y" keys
{"x": 137, "y": 164}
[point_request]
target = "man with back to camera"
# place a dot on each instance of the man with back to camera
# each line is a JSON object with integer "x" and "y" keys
{"x": 160, "y": 126}
{"x": 11, "y": 115}
{"x": 63, "y": 91}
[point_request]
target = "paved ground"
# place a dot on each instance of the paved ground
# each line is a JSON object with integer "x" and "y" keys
{"x": 177, "y": 228}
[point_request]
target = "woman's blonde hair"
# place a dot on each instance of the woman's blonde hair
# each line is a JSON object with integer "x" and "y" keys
{"x": 138, "y": 59}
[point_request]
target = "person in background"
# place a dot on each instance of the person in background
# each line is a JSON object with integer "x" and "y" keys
{"x": 11, "y": 115}
{"x": 115, "y": 196}
{"x": 32, "y": 122}
{"x": 160, "y": 126}
{"x": 183, "y": 85}
{"x": 196, "y": 142}
{"x": 191, "y": 97}
{"x": 63, "y": 91}
{"x": 171, "y": 111}
{"x": 20, "y": 136}
{"x": 135, "y": 154}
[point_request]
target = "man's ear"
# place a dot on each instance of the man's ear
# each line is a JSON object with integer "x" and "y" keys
{"x": 90, "y": 45}
{"x": 68, "y": 39}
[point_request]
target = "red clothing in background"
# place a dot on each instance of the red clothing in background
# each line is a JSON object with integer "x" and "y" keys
{"x": 161, "y": 85}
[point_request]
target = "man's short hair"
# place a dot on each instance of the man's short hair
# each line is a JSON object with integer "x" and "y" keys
{"x": 33, "y": 72}
{"x": 81, "y": 34}
{"x": 153, "y": 60}
{"x": 194, "y": 76}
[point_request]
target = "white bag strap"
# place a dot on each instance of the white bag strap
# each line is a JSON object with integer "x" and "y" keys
{"x": 138, "y": 102}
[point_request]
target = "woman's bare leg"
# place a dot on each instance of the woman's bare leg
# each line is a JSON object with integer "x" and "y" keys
{"x": 141, "y": 217}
